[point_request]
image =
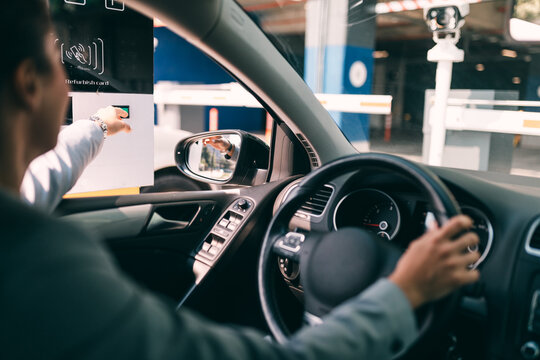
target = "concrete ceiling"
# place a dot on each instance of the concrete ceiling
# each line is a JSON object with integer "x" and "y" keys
{"x": 288, "y": 17}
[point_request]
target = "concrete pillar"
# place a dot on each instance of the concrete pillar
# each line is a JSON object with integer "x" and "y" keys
{"x": 398, "y": 100}
{"x": 533, "y": 80}
{"x": 340, "y": 37}
{"x": 532, "y": 93}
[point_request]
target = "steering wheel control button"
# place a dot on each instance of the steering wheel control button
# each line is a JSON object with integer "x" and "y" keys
{"x": 292, "y": 242}
{"x": 288, "y": 268}
{"x": 289, "y": 246}
{"x": 530, "y": 350}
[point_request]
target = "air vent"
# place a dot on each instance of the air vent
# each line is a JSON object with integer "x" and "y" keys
{"x": 532, "y": 246}
{"x": 313, "y": 158}
{"x": 316, "y": 204}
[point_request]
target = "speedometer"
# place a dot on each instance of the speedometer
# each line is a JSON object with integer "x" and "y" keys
{"x": 370, "y": 209}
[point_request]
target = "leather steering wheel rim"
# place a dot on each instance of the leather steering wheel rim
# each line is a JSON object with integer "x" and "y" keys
{"x": 442, "y": 202}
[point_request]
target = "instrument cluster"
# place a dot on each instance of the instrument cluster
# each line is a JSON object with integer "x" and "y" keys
{"x": 399, "y": 219}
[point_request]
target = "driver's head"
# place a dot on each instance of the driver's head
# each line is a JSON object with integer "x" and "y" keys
{"x": 33, "y": 94}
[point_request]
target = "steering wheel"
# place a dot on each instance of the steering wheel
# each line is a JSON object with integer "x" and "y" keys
{"x": 325, "y": 280}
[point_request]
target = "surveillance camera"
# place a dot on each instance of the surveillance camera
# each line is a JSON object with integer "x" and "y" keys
{"x": 446, "y": 18}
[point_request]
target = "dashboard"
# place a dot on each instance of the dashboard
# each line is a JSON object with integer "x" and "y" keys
{"x": 497, "y": 316}
{"x": 381, "y": 213}
{"x": 387, "y": 205}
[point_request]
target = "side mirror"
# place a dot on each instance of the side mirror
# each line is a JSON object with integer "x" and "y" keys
{"x": 523, "y": 23}
{"x": 224, "y": 157}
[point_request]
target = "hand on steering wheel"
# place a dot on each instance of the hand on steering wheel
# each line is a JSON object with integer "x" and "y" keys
{"x": 434, "y": 265}
{"x": 337, "y": 265}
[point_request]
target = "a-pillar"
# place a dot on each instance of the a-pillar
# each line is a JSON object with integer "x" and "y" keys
{"x": 340, "y": 37}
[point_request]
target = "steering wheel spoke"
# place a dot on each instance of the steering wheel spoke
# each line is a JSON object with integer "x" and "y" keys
{"x": 311, "y": 320}
{"x": 289, "y": 245}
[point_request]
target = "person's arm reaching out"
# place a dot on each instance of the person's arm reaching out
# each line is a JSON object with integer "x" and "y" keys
{"x": 51, "y": 175}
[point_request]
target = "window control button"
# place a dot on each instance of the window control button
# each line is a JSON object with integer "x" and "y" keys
{"x": 205, "y": 246}
{"x": 221, "y": 232}
{"x": 213, "y": 250}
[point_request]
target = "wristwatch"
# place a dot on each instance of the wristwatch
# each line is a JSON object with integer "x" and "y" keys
{"x": 226, "y": 152}
{"x": 101, "y": 124}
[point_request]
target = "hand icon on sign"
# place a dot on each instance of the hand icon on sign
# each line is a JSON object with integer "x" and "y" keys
{"x": 78, "y": 52}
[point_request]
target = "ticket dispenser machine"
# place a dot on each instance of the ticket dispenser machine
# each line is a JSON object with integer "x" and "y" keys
{"x": 107, "y": 51}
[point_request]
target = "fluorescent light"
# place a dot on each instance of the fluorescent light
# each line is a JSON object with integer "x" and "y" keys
{"x": 522, "y": 30}
{"x": 381, "y": 54}
{"x": 509, "y": 53}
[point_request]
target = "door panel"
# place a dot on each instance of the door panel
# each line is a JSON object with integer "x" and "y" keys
{"x": 162, "y": 240}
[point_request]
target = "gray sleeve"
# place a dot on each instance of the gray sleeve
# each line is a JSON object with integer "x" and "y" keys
{"x": 71, "y": 302}
{"x": 51, "y": 175}
{"x": 375, "y": 325}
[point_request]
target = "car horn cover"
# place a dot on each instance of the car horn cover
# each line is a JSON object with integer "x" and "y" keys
{"x": 338, "y": 266}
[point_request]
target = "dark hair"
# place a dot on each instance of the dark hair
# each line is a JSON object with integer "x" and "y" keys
{"x": 23, "y": 27}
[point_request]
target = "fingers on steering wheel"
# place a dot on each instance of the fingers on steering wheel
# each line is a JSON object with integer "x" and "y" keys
{"x": 466, "y": 277}
{"x": 453, "y": 227}
{"x": 467, "y": 240}
{"x": 469, "y": 258}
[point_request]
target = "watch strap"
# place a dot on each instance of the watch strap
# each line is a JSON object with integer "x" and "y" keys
{"x": 101, "y": 123}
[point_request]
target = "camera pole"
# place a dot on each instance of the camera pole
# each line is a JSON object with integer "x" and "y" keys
{"x": 444, "y": 53}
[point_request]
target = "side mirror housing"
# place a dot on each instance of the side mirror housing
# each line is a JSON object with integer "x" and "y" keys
{"x": 224, "y": 157}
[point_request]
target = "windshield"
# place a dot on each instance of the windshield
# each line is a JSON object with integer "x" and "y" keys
{"x": 470, "y": 102}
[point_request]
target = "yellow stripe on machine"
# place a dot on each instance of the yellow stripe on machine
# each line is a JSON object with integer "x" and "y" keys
{"x": 113, "y": 192}
{"x": 531, "y": 124}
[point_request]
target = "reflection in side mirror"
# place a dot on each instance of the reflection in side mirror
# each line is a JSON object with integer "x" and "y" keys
{"x": 524, "y": 22}
{"x": 231, "y": 157}
{"x": 214, "y": 157}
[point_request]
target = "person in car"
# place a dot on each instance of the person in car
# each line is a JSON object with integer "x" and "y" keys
{"x": 62, "y": 295}
{"x": 51, "y": 175}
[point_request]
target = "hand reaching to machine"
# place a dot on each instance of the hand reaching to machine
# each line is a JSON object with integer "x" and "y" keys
{"x": 113, "y": 117}
{"x": 436, "y": 264}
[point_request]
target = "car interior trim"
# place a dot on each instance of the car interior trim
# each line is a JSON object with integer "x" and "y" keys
{"x": 528, "y": 248}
